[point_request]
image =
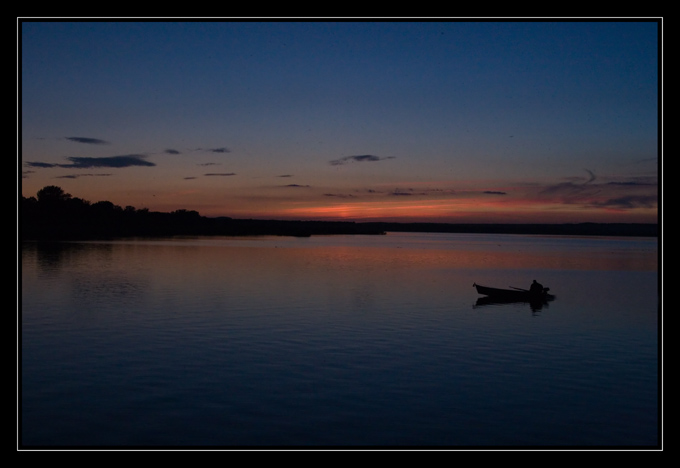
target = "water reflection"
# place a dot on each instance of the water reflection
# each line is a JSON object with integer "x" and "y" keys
{"x": 51, "y": 257}
{"x": 337, "y": 340}
{"x": 534, "y": 305}
{"x": 90, "y": 274}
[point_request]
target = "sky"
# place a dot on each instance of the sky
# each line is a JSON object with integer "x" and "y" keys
{"x": 453, "y": 120}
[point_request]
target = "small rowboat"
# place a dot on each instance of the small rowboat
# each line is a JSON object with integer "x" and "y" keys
{"x": 514, "y": 294}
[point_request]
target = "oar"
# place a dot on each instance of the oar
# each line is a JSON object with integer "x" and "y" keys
{"x": 520, "y": 289}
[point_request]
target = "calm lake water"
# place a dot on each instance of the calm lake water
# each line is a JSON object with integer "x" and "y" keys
{"x": 339, "y": 341}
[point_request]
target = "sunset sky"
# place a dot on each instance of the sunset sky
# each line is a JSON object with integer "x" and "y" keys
{"x": 446, "y": 121}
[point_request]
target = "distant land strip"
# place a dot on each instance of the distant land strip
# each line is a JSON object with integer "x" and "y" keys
{"x": 566, "y": 229}
{"x": 56, "y": 215}
{"x": 182, "y": 223}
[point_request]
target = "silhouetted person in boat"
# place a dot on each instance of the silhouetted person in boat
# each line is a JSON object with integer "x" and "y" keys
{"x": 536, "y": 288}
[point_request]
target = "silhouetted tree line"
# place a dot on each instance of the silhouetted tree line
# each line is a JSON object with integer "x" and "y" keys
{"x": 55, "y": 214}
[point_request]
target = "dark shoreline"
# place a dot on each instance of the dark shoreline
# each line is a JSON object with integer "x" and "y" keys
{"x": 56, "y": 215}
{"x": 565, "y": 229}
{"x": 155, "y": 224}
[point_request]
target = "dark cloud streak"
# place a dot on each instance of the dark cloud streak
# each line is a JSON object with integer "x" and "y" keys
{"x": 75, "y": 176}
{"x": 88, "y": 141}
{"x": 358, "y": 158}
{"x": 110, "y": 161}
{"x": 339, "y": 195}
{"x": 39, "y": 164}
{"x": 128, "y": 160}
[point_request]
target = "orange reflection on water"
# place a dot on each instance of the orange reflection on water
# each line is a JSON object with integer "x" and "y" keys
{"x": 491, "y": 257}
{"x": 420, "y": 250}
{"x": 239, "y": 275}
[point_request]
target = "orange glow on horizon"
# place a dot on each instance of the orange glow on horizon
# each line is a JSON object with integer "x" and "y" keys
{"x": 507, "y": 206}
{"x": 457, "y": 210}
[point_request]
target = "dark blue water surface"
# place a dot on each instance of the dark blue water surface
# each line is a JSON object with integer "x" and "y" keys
{"x": 339, "y": 341}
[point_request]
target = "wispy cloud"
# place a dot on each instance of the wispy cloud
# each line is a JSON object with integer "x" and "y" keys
{"x": 594, "y": 192}
{"x": 221, "y": 149}
{"x": 592, "y": 176}
{"x": 402, "y": 192}
{"x": 629, "y": 201}
{"x": 575, "y": 185}
{"x": 635, "y": 183}
{"x": 171, "y": 151}
{"x": 39, "y": 164}
{"x": 358, "y": 158}
{"x": 339, "y": 195}
{"x": 580, "y": 185}
{"x": 89, "y": 141}
{"x": 220, "y": 174}
{"x": 427, "y": 192}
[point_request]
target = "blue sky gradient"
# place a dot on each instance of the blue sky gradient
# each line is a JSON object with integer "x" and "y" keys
{"x": 505, "y": 121}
